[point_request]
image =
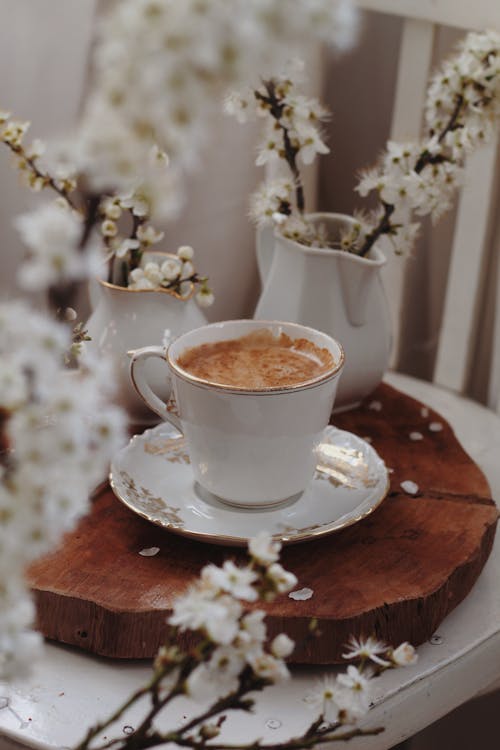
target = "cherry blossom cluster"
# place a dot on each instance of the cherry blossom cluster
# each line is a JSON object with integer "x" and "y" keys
{"x": 175, "y": 273}
{"x": 191, "y": 51}
{"x": 414, "y": 178}
{"x": 462, "y": 109}
{"x": 235, "y": 638}
{"x": 292, "y": 134}
{"x": 345, "y": 698}
{"x": 231, "y": 658}
{"x": 58, "y": 431}
{"x": 53, "y": 233}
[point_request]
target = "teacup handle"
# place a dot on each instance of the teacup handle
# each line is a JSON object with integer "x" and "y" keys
{"x": 137, "y": 375}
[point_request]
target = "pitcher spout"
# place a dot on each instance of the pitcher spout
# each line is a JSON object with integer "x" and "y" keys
{"x": 356, "y": 277}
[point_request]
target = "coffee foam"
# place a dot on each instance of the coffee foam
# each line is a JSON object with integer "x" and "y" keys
{"x": 257, "y": 361}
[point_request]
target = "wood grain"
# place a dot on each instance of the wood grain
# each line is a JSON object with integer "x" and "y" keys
{"x": 396, "y": 574}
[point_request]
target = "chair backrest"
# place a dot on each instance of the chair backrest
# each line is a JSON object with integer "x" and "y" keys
{"x": 421, "y": 18}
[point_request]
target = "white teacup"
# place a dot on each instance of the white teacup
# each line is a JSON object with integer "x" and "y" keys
{"x": 251, "y": 448}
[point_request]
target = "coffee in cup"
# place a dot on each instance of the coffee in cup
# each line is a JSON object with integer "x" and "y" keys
{"x": 257, "y": 361}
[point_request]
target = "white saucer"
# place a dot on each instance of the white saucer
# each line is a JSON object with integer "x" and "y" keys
{"x": 152, "y": 476}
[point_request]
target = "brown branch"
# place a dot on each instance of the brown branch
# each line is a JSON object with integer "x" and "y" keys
{"x": 45, "y": 176}
{"x": 383, "y": 227}
{"x": 276, "y": 108}
{"x": 136, "y": 255}
{"x": 296, "y": 743}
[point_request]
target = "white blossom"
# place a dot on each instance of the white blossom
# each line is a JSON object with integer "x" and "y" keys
{"x": 366, "y": 648}
{"x": 217, "y": 677}
{"x": 187, "y": 269}
{"x": 269, "y": 149}
{"x": 353, "y": 694}
{"x": 369, "y": 179}
{"x": 238, "y": 105}
{"x": 109, "y": 228}
{"x": 282, "y": 646}
{"x": 13, "y": 132}
{"x": 137, "y": 280}
{"x": 269, "y": 667}
{"x": 252, "y": 633}
{"x": 235, "y": 580}
{"x": 126, "y": 246}
{"x": 199, "y": 609}
{"x": 153, "y": 273}
{"x": 171, "y": 269}
{"x": 111, "y": 208}
{"x": 311, "y": 144}
{"x": 185, "y": 252}
{"x": 323, "y": 699}
{"x": 204, "y": 297}
{"x": 264, "y": 549}
{"x": 282, "y": 579}
{"x": 268, "y": 201}
{"x": 403, "y": 655}
{"x": 147, "y": 235}
{"x": 51, "y": 234}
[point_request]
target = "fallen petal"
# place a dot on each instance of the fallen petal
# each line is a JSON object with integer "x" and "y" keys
{"x": 410, "y": 487}
{"x": 301, "y": 595}
{"x": 149, "y": 551}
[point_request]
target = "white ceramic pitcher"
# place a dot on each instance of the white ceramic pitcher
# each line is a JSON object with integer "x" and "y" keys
{"x": 336, "y": 292}
{"x": 126, "y": 319}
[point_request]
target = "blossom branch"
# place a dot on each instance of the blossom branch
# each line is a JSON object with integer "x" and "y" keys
{"x": 12, "y": 136}
{"x": 276, "y": 107}
{"x": 462, "y": 102}
{"x": 231, "y": 661}
{"x": 425, "y": 159}
{"x": 150, "y": 688}
{"x": 293, "y": 744}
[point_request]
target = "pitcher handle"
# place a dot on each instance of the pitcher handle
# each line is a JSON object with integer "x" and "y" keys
{"x": 138, "y": 360}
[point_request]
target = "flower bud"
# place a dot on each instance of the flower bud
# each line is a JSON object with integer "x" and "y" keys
{"x": 185, "y": 252}
{"x": 282, "y": 646}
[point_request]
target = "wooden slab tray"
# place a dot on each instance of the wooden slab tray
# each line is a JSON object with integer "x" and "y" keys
{"x": 396, "y": 574}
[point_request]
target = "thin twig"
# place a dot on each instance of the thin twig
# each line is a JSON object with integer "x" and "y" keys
{"x": 296, "y": 743}
{"x": 276, "y": 108}
{"x": 47, "y": 179}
